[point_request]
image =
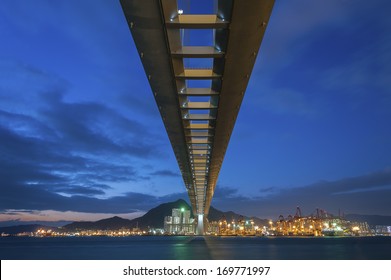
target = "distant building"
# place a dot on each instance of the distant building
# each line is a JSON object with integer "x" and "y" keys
{"x": 179, "y": 223}
{"x": 213, "y": 228}
{"x": 383, "y": 230}
{"x": 360, "y": 228}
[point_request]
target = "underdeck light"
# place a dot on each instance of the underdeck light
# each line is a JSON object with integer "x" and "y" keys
{"x": 180, "y": 12}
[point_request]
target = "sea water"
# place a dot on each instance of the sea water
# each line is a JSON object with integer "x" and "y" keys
{"x": 194, "y": 247}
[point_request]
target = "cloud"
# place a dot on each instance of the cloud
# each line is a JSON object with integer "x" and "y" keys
{"x": 141, "y": 104}
{"x": 79, "y": 190}
{"x": 30, "y": 159}
{"x": 223, "y": 192}
{"x": 41, "y": 198}
{"x": 58, "y": 151}
{"x": 46, "y": 174}
{"x": 92, "y": 127}
{"x": 19, "y": 216}
{"x": 164, "y": 173}
{"x": 268, "y": 190}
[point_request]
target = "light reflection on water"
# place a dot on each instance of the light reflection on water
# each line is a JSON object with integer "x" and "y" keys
{"x": 195, "y": 247}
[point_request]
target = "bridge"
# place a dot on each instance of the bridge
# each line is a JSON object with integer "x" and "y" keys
{"x": 198, "y": 86}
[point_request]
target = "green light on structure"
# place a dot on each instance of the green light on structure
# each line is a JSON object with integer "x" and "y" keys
{"x": 183, "y": 209}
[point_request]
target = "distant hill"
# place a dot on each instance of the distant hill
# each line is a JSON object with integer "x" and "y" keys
{"x": 113, "y": 223}
{"x": 372, "y": 220}
{"x": 24, "y": 228}
{"x": 155, "y": 217}
{"x": 216, "y": 215}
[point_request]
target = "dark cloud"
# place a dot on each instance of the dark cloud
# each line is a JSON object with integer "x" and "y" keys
{"x": 222, "y": 193}
{"x": 164, "y": 173}
{"x": 32, "y": 159}
{"x": 95, "y": 128}
{"x": 24, "y": 124}
{"x": 366, "y": 194}
{"x": 18, "y": 196}
{"x": 267, "y": 190}
{"x": 351, "y": 195}
{"x": 140, "y": 103}
{"x": 67, "y": 148}
{"x": 79, "y": 190}
{"x": 62, "y": 155}
{"x": 49, "y": 174}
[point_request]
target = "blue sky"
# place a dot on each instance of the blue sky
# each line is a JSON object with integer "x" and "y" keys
{"x": 81, "y": 136}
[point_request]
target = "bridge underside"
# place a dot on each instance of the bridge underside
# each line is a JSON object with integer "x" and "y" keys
{"x": 198, "y": 105}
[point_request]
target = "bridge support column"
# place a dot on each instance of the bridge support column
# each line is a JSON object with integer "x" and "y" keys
{"x": 200, "y": 225}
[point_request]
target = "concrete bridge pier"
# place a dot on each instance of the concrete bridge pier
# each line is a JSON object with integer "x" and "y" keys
{"x": 200, "y": 225}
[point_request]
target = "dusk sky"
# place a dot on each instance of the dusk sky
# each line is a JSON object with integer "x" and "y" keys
{"x": 81, "y": 137}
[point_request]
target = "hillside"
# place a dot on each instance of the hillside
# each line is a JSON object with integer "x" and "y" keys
{"x": 372, "y": 220}
{"x": 154, "y": 218}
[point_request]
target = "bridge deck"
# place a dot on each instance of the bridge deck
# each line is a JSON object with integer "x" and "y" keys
{"x": 199, "y": 130}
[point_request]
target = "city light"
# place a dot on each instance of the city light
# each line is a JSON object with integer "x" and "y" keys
{"x": 181, "y": 223}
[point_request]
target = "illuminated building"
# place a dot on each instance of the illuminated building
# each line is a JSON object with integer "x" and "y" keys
{"x": 179, "y": 223}
{"x": 383, "y": 230}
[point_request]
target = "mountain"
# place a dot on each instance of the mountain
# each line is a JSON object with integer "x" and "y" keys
{"x": 154, "y": 218}
{"x": 372, "y": 220}
{"x": 216, "y": 215}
